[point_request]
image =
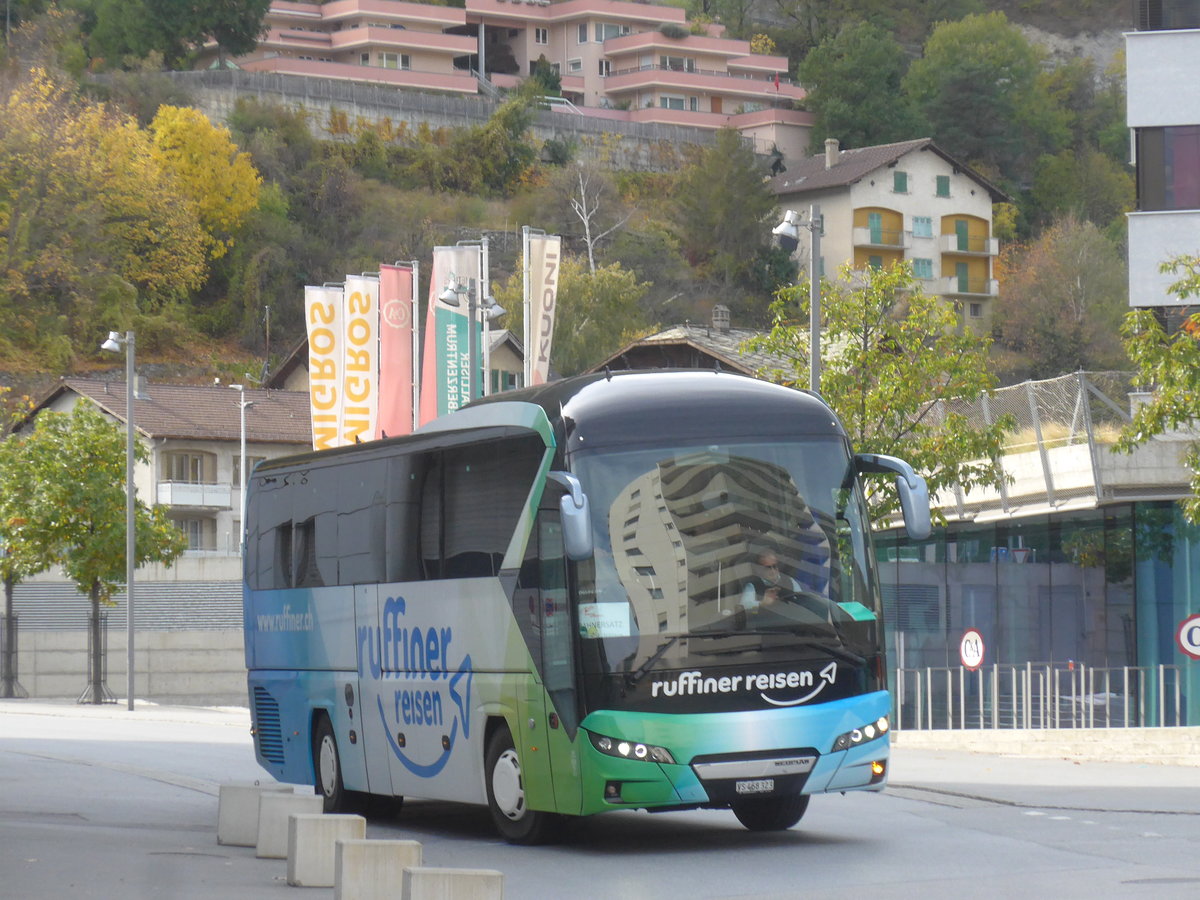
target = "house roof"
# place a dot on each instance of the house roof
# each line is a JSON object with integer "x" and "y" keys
{"x": 670, "y": 348}
{"x": 812, "y": 174}
{"x": 205, "y": 412}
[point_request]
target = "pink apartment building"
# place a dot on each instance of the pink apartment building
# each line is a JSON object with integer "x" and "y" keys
{"x": 634, "y": 62}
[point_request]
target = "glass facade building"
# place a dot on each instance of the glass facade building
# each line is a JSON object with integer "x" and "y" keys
{"x": 1103, "y": 590}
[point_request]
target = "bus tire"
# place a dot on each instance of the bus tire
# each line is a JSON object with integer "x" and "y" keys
{"x": 327, "y": 767}
{"x": 516, "y": 822}
{"x": 771, "y": 813}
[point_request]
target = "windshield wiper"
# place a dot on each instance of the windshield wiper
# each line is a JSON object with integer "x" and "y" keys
{"x": 632, "y": 678}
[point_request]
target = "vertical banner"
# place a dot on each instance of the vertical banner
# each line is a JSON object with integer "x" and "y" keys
{"x": 544, "y": 260}
{"x": 445, "y": 358}
{"x": 360, "y": 371}
{"x": 397, "y": 315}
{"x": 323, "y": 316}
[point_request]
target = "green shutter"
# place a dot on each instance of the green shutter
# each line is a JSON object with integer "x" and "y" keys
{"x": 943, "y": 185}
{"x": 900, "y": 182}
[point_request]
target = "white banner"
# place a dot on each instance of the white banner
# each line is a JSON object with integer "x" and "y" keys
{"x": 544, "y": 264}
{"x": 360, "y": 371}
{"x": 323, "y": 316}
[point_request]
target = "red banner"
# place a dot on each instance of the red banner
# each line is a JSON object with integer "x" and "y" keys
{"x": 397, "y": 375}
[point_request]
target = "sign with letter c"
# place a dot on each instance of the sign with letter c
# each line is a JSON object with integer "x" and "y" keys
{"x": 971, "y": 649}
{"x": 1188, "y": 636}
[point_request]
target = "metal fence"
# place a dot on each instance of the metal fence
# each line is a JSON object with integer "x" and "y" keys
{"x": 1038, "y": 695}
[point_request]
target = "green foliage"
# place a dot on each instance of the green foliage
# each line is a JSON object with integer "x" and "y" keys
{"x": 1086, "y": 184}
{"x": 1168, "y": 366}
{"x": 546, "y": 77}
{"x": 597, "y": 313}
{"x": 984, "y": 63}
{"x": 890, "y": 354}
{"x": 71, "y": 510}
{"x": 853, "y": 81}
{"x": 722, "y": 209}
{"x": 125, "y": 31}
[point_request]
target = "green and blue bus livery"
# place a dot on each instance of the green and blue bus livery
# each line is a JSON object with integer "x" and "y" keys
{"x": 629, "y": 591}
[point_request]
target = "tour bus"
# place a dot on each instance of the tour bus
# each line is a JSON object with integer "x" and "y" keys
{"x": 634, "y": 591}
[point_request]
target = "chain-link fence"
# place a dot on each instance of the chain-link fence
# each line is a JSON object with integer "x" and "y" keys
{"x": 1052, "y": 454}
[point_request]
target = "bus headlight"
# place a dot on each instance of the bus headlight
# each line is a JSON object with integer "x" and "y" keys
{"x": 862, "y": 734}
{"x": 623, "y": 749}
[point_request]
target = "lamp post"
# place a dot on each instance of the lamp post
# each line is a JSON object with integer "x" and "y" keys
{"x": 113, "y": 345}
{"x": 451, "y": 296}
{"x": 788, "y": 232}
{"x": 243, "y": 404}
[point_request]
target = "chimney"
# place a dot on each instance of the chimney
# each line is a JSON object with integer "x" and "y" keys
{"x": 831, "y": 152}
{"x": 720, "y": 318}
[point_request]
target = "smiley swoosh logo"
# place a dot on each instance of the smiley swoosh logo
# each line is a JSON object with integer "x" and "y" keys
{"x": 828, "y": 677}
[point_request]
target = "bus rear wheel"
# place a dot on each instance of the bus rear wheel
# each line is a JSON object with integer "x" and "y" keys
{"x": 771, "y": 813}
{"x": 516, "y": 822}
{"x": 327, "y": 767}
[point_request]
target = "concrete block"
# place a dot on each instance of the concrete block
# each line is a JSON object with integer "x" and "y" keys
{"x": 452, "y": 884}
{"x": 273, "y": 812}
{"x": 237, "y": 811}
{"x": 370, "y": 870}
{"x": 312, "y": 842}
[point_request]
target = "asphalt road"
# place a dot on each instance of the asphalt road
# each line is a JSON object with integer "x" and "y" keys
{"x": 107, "y": 803}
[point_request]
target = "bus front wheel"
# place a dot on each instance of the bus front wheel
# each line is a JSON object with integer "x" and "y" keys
{"x": 516, "y": 822}
{"x": 771, "y": 813}
{"x": 327, "y": 767}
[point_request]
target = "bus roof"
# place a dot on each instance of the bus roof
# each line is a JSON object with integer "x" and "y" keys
{"x": 630, "y": 407}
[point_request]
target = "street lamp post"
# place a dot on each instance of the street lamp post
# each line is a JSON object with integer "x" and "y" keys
{"x": 113, "y": 345}
{"x": 492, "y": 310}
{"x": 243, "y": 404}
{"x": 788, "y": 232}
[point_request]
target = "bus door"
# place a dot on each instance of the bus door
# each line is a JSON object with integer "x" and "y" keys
{"x": 371, "y": 696}
{"x": 550, "y": 703}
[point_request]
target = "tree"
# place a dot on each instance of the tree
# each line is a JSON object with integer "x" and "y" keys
{"x": 977, "y": 87}
{"x": 723, "y": 207}
{"x": 597, "y": 313}
{"x": 91, "y": 227}
{"x": 894, "y": 369}
{"x": 18, "y": 561}
{"x": 854, "y": 91}
{"x": 218, "y": 178}
{"x": 73, "y": 508}
{"x": 1086, "y": 184}
{"x": 593, "y": 201}
{"x": 127, "y": 30}
{"x": 1065, "y": 295}
{"x": 1168, "y": 365}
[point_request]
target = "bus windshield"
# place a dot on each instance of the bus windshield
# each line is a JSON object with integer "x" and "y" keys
{"x": 738, "y": 553}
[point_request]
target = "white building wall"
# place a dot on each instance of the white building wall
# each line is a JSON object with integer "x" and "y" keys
{"x": 1162, "y": 73}
{"x": 1154, "y": 238}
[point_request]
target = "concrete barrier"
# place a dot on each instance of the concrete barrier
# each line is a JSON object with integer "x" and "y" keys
{"x": 452, "y": 884}
{"x": 273, "y": 812}
{"x": 370, "y": 870}
{"x": 312, "y": 840}
{"x": 237, "y": 811}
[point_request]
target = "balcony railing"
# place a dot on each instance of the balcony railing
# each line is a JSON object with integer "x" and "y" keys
{"x": 1166, "y": 15}
{"x": 970, "y": 244}
{"x": 179, "y": 493}
{"x": 893, "y": 238}
{"x": 974, "y": 287}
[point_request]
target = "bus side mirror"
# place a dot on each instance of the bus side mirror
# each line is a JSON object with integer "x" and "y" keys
{"x": 576, "y": 516}
{"x": 914, "y": 493}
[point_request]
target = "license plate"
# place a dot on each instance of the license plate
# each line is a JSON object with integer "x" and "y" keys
{"x": 758, "y": 786}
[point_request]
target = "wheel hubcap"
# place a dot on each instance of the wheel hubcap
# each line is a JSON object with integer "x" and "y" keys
{"x": 507, "y": 791}
{"x": 328, "y": 765}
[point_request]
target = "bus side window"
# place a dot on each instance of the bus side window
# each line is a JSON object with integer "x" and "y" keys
{"x": 402, "y": 517}
{"x": 358, "y": 545}
{"x": 431, "y": 517}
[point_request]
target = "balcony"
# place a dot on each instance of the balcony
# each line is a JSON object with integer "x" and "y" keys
{"x": 655, "y": 75}
{"x": 970, "y": 287}
{"x": 456, "y": 83}
{"x": 882, "y": 238}
{"x": 969, "y": 244}
{"x": 199, "y": 496}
